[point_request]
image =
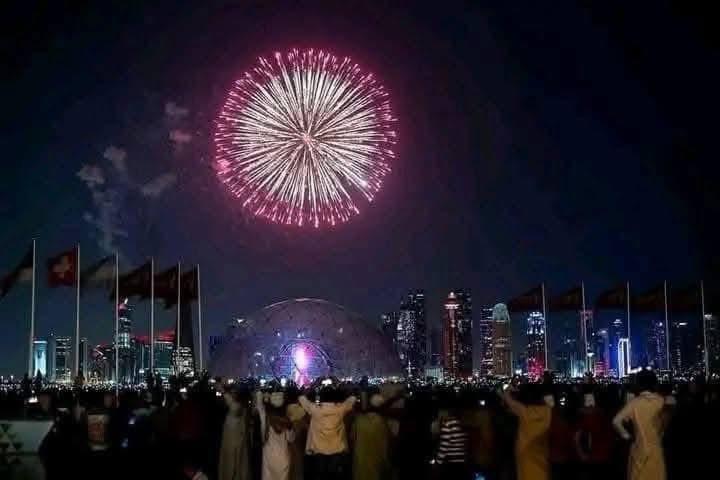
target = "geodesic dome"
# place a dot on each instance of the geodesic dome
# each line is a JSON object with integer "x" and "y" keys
{"x": 301, "y": 339}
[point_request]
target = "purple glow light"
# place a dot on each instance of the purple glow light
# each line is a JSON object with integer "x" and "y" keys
{"x": 300, "y": 358}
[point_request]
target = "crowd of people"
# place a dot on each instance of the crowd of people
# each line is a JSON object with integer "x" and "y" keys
{"x": 225, "y": 430}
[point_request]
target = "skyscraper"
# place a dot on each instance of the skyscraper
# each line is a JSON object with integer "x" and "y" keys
{"x": 683, "y": 352}
{"x": 501, "y": 341}
{"x": 624, "y": 364}
{"x": 125, "y": 349}
{"x": 183, "y": 358}
{"x": 484, "y": 359}
{"x": 40, "y": 357}
{"x": 388, "y": 325}
{"x": 83, "y": 358}
{"x": 63, "y": 349}
{"x": 602, "y": 353}
{"x": 535, "y": 345}
{"x": 712, "y": 341}
{"x": 457, "y": 335}
{"x": 587, "y": 338}
{"x": 411, "y": 333}
{"x": 656, "y": 348}
{"x": 617, "y": 331}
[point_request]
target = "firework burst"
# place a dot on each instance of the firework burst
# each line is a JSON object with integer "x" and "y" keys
{"x": 304, "y": 138}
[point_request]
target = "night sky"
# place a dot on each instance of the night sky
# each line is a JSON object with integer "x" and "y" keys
{"x": 543, "y": 142}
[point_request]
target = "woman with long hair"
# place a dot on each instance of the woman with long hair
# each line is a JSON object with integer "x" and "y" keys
{"x": 277, "y": 434}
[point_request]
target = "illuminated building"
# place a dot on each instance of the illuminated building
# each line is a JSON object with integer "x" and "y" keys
{"x": 602, "y": 353}
{"x": 535, "y": 351}
{"x": 83, "y": 358}
{"x": 501, "y": 341}
{"x": 587, "y": 338}
{"x": 624, "y": 364}
{"x": 125, "y": 346}
{"x": 485, "y": 342}
{"x": 183, "y": 358}
{"x": 164, "y": 350}
{"x": 457, "y": 335}
{"x": 657, "y": 348}
{"x": 40, "y": 357}
{"x": 617, "y": 331}
{"x": 63, "y": 349}
{"x": 712, "y": 340}
{"x": 411, "y": 333}
{"x": 683, "y": 352}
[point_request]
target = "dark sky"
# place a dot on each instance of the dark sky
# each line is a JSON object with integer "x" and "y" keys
{"x": 547, "y": 141}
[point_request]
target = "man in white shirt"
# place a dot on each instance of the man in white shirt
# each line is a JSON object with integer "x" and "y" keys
{"x": 327, "y": 446}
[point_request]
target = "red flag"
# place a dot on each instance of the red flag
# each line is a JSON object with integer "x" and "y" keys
{"x": 614, "y": 298}
{"x": 651, "y": 301}
{"x": 22, "y": 272}
{"x": 135, "y": 283}
{"x": 570, "y": 300}
{"x": 62, "y": 269}
{"x": 166, "y": 286}
{"x": 531, "y": 300}
{"x": 685, "y": 299}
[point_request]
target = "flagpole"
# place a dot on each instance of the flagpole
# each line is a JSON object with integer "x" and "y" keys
{"x": 667, "y": 326}
{"x": 152, "y": 316}
{"x": 583, "y": 327}
{"x": 177, "y": 326}
{"x": 117, "y": 326}
{"x": 32, "y": 315}
{"x": 77, "y": 313}
{"x": 705, "y": 345}
{"x": 547, "y": 367}
{"x": 200, "y": 336}
{"x": 627, "y": 301}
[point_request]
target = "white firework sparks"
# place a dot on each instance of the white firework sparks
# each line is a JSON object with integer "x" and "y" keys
{"x": 302, "y": 139}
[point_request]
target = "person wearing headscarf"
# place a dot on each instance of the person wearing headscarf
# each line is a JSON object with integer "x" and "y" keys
{"x": 646, "y": 414}
{"x": 234, "y": 461}
{"x": 276, "y": 433}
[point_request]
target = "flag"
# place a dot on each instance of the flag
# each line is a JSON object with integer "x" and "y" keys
{"x": 189, "y": 285}
{"x": 166, "y": 286}
{"x": 616, "y": 297}
{"x": 651, "y": 301}
{"x": 135, "y": 283}
{"x": 188, "y": 289}
{"x": 101, "y": 274}
{"x": 685, "y": 300}
{"x": 62, "y": 269}
{"x": 532, "y": 300}
{"x": 570, "y": 300}
{"x": 21, "y": 273}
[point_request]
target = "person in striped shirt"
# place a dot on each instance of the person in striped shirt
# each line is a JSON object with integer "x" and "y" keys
{"x": 452, "y": 447}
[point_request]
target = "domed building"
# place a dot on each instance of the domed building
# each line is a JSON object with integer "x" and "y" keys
{"x": 302, "y": 339}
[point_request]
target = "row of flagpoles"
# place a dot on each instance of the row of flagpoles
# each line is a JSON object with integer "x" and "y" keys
{"x": 64, "y": 270}
{"x": 689, "y": 299}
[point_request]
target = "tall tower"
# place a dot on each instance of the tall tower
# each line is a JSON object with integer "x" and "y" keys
{"x": 126, "y": 354}
{"x": 602, "y": 353}
{"x": 683, "y": 353}
{"x": 63, "y": 350}
{"x": 501, "y": 341}
{"x": 587, "y": 338}
{"x": 656, "y": 347}
{"x": 40, "y": 357}
{"x": 624, "y": 364}
{"x": 712, "y": 341}
{"x": 457, "y": 335}
{"x": 411, "y": 333}
{"x": 535, "y": 345}
{"x": 485, "y": 342}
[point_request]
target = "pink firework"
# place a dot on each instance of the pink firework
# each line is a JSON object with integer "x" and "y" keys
{"x": 304, "y": 138}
